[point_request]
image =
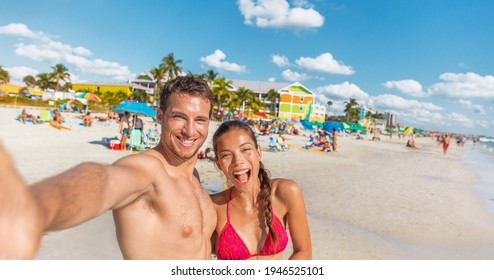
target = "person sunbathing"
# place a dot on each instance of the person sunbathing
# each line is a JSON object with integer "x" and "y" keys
{"x": 58, "y": 120}
{"x": 88, "y": 121}
{"x": 24, "y": 117}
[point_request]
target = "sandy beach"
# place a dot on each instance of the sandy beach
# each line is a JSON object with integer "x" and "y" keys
{"x": 368, "y": 200}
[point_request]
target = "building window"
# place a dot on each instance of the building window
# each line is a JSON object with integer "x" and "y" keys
{"x": 301, "y": 99}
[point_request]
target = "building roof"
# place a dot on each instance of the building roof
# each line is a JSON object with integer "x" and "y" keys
{"x": 258, "y": 86}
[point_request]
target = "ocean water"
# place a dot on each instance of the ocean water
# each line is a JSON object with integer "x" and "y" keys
{"x": 480, "y": 158}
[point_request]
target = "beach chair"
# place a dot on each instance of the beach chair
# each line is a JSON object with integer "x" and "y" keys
{"x": 151, "y": 138}
{"x": 273, "y": 146}
{"x": 135, "y": 140}
{"x": 44, "y": 116}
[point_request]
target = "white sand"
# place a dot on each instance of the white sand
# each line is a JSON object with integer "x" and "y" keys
{"x": 369, "y": 200}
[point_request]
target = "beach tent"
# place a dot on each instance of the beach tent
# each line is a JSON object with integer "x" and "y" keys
{"x": 355, "y": 127}
{"x": 345, "y": 126}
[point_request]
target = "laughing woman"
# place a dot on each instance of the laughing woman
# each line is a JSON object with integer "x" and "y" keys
{"x": 253, "y": 214}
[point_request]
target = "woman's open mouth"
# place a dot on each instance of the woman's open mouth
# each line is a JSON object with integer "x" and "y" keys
{"x": 242, "y": 176}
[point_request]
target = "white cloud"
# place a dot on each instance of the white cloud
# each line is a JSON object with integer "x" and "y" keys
{"x": 43, "y": 48}
{"x": 390, "y": 101}
{"x": 344, "y": 90}
{"x": 19, "y": 29}
{"x": 483, "y": 123}
{"x": 216, "y": 60}
{"x": 294, "y": 76}
{"x": 409, "y": 87}
{"x": 99, "y": 67}
{"x": 280, "y": 60}
{"x": 271, "y": 79}
{"x": 18, "y": 73}
{"x": 459, "y": 119}
{"x": 469, "y": 105}
{"x": 464, "y": 86}
{"x": 279, "y": 14}
{"x": 325, "y": 63}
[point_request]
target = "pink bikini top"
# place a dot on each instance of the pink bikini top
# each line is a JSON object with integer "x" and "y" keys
{"x": 230, "y": 245}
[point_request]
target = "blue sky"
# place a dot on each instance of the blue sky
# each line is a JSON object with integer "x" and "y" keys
{"x": 431, "y": 62}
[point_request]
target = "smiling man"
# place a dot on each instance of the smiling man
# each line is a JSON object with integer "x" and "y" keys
{"x": 159, "y": 207}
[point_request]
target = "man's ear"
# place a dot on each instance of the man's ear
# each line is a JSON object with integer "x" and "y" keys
{"x": 159, "y": 116}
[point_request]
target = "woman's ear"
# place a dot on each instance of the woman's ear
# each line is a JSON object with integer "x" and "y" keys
{"x": 216, "y": 163}
{"x": 259, "y": 152}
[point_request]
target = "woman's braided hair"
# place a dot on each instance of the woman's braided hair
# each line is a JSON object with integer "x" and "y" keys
{"x": 264, "y": 196}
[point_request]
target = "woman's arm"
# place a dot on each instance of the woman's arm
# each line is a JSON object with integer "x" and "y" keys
{"x": 297, "y": 220}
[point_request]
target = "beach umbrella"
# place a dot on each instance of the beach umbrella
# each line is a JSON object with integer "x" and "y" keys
{"x": 89, "y": 96}
{"x": 306, "y": 124}
{"x": 329, "y": 125}
{"x": 136, "y": 108}
{"x": 408, "y": 131}
{"x": 345, "y": 126}
{"x": 261, "y": 114}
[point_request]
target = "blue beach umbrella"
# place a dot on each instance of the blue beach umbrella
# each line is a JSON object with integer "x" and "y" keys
{"x": 136, "y": 108}
{"x": 329, "y": 125}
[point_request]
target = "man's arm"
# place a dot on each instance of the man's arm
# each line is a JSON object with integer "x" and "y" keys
{"x": 89, "y": 189}
{"x": 66, "y": 200}
{"x": 20, "y": 222}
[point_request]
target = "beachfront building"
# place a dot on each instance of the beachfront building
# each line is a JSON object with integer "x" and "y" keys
{"x": 362, "y": 111}
{"x": 9, "y": 89}
{"x": 261, "y": 89}
{"x": 298, "y": 103}
{"x": 102, "y": 87}
{"x": 390, "y": 119}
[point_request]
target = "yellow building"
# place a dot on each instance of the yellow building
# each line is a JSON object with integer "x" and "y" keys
{"x": 13, "y": 89}
{"x": 102, "y": 87}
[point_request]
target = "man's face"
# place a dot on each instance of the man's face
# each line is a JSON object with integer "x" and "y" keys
{"x": 184, "y": 125}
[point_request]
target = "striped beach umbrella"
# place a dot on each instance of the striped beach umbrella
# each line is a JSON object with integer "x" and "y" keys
{"x": 89, "y": 96}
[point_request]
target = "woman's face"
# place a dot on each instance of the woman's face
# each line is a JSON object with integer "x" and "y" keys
{"x": 238, "y": 157}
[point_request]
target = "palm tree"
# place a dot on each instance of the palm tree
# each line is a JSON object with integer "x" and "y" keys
{"x": 329, "y": 103}
{"x": 221, "y": 90}
{"x": 242, "y": 95}
{"x": 170, "y": 65}
{"x": 273, "y": 96}
{"x": 44, "y": 81}
{"x": 60, "y": 74}
{"x": 4, "y": 76}
{"x": 29, "y": 80}
{"x": 210, "y": 76}
{"x": 158, "y": 76}
{"x": 67, "y": 86}
{"x": 350, "y": 109}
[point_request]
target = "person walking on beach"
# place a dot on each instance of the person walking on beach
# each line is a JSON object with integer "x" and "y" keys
{"x": 253, "y": 214}
{"x": 124, "y": 129}
{"x": 159, "y": 207}
{"x": 335, "y": 139}
{"x": 446, "y": 141}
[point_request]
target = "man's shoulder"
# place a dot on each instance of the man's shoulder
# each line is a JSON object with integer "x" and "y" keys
{"x": 220, "y": 198}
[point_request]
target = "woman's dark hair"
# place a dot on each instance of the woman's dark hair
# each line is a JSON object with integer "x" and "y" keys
{"x": 186, "y": 85}
{"x": 264, "y": 196}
